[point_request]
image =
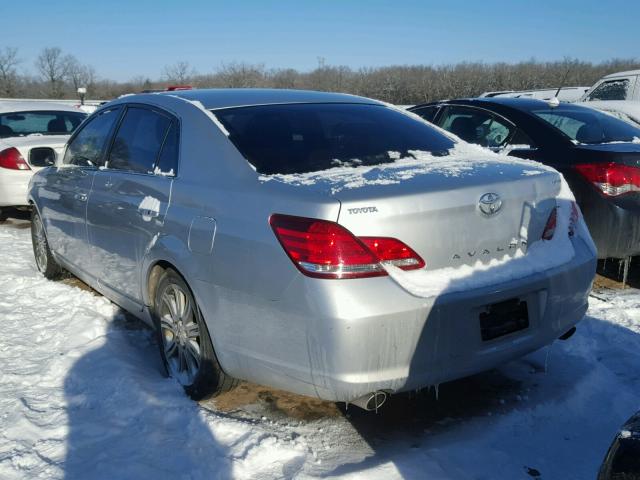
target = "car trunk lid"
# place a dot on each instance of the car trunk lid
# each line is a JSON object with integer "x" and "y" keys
{"x": 25, "y": 145}
{"x": 487, "y": 212}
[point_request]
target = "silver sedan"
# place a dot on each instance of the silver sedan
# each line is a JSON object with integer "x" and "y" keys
{"x": 325, "y": 244}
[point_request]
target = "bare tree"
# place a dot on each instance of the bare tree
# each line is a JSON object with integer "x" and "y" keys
{"x": 284, "y": 78}
{"x": 53, "y": 68}
{"x": 180, "y": 72}
{"x": 400, "y": 84}
{"x": 79, "y": 75}
{"x": 8, "y": 76}
{"x": 241, "y": 75}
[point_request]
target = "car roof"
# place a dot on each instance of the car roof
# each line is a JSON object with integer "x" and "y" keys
{"x": 519, "y": 103}
{"x": 218, "y": 98}
{"x": 522, "y": 104}
{"x": 7, "y": 106}
{"x": 623, "y": 74}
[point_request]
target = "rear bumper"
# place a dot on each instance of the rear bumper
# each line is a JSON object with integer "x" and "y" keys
{"x": 14, "y": 185}
{"x": 339, "y": 340}
{"x": 614, "y": 223}
{"x": 615, "y": 231}
{"x": 440, "y": 340}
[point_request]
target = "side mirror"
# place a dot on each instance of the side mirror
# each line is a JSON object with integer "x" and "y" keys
{"x": 42, "y": 157}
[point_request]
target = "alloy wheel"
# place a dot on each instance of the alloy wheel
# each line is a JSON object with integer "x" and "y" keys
{"x": 40, "y": 244}
{"x": 180, "y": 334}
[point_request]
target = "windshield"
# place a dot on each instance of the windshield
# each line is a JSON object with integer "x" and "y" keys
{"x": 20, "y": 124}
{"x": 300, "y": 138}
{"x": 589, "y": 126}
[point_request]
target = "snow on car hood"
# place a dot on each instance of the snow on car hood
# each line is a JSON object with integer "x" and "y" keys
{"x": 463, "y": 160}
{"x": 541, "y": 256}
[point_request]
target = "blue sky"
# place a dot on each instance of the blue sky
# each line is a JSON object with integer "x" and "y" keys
{"x": 123, "y": 39}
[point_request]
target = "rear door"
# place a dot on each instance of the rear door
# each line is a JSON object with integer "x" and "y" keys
{"x": 130, "y": 198}
{"x": 476, "y": 125}
{"x": 428, "y": 113}
{"x": 63, "y": 199}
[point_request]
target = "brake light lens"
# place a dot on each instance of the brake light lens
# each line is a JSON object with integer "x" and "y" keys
{"x": 552, "y": 222}
{"x": 550, "y": 227}
{"x": 612, "y": 179}
{"x": 573, "y": 219}
{"x": 324, "y": 249}
{"x": 393, "y": 251}
{"x": 10, "y": 158}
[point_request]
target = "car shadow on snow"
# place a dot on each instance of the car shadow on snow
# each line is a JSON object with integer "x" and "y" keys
{"x": 127, "y": 421}
{"x": 449, "y": 429}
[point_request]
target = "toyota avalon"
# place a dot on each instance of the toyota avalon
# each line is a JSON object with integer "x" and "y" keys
{"x": 320, "y": 243}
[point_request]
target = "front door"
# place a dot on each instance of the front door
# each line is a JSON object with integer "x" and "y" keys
{"x": 63, "y": 199}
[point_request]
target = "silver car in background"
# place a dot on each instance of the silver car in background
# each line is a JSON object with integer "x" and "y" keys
{"x": 324, "y": 244}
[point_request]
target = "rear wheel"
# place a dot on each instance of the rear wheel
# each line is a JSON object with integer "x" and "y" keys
{"x": 184, "y": 341}
{"x": 41, "y": 251}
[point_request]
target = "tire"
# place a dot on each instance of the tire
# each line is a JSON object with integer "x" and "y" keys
{"x": 41, "y": 251}
{"x": 3, "y": 214}
{"x": 184, "y": 342}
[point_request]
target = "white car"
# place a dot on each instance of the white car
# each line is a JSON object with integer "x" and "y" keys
{"x": 32, "y": 134}
{"x": 615, "y": 87}
{"x": 617, "y": 94}
{"x": 627, "y": 110}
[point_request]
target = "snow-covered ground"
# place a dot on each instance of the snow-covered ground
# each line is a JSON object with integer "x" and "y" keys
{"x": 82, "y": 396}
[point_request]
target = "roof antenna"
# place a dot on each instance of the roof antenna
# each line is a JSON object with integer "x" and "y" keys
{"x": 555, "y": 101}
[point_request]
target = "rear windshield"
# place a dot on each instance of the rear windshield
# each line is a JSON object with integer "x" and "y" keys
{"x": 20, "y": 124}
{"x": 300, "y": 138}
{"x": 589, "y": 126}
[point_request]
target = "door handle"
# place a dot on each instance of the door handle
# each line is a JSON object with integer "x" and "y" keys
{"x": 145, "y": 212}
{"x": 82, "y": 197}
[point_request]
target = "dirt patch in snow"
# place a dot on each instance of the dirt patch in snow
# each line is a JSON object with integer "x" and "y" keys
{"x": 250, "y": 396}
{"x": 76, "y": 282}
{"x": 611, "y": 274}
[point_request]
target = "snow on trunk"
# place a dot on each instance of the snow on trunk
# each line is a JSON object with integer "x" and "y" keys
{"x": 540, "y": 256}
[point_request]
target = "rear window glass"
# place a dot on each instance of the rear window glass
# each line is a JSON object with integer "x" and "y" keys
{"x": 19, "y": 124}
{"x": 300, "y": 138}
{"x": 585, "y": 125}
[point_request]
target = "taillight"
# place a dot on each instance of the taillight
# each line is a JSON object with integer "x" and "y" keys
{"x": 393, "y": 251}
{"x": 11, "y": 158}
{"x": 573, "y": 219}
{"x": 550, "y": 227}
{"x": 552, "y": 222}
{"x": 612, "y": 179}
{"x": 324, "y": 249}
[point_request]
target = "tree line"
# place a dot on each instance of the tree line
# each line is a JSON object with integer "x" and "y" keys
{"x": 58, "y": 75}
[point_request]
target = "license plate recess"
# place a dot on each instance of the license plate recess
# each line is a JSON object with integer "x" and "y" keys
{"x": 503, "y": 318}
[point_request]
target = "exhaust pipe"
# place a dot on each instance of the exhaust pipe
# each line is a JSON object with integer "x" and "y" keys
{"x": 568, "y": 334}
{"x": 371, "y": 401}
